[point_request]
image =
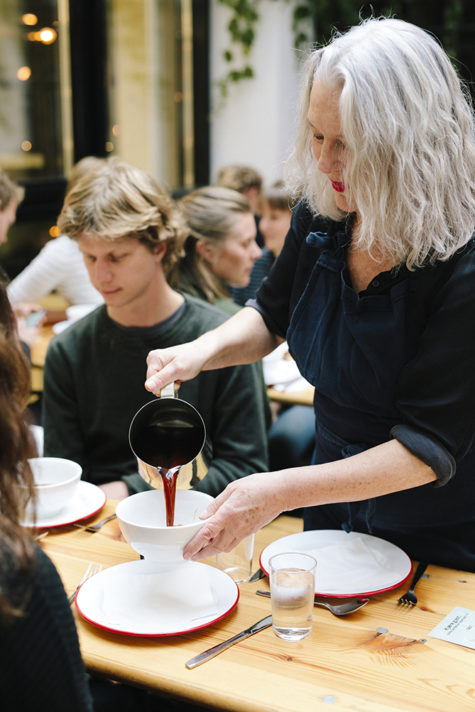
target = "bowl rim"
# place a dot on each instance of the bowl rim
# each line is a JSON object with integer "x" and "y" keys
{"x": 76, "y": 476}
{"x": 150, "y": 527}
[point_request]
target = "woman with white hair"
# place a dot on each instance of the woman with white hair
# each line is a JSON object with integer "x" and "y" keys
{"x": 374, "y": 292}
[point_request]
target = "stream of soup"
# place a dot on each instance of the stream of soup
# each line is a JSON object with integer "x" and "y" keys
{"x": 168, "y": 446}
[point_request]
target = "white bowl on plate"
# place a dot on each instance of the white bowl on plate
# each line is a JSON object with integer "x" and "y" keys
{"x": 142, "y": 520}
{"x": 56, "y": 480}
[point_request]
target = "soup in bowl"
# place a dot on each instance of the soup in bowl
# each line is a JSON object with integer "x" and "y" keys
{"x": 142, "y": 520}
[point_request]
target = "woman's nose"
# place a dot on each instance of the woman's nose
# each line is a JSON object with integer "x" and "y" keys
{"x": 329, "y": 159}
{"x": 325, "y": 160}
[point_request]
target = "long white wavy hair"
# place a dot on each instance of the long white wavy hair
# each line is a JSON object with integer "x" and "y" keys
{"x": 407, "y": 121}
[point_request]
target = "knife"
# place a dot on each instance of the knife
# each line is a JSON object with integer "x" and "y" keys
{"x": 257, "y": 575}
{"x": 212, "y": 652}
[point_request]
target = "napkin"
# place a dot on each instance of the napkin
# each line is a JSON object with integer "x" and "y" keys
{"x": 169, "y": 599}
{"x": 350, "y": 566}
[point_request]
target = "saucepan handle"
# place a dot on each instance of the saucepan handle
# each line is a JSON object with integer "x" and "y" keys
{"x": 168, "y": 391}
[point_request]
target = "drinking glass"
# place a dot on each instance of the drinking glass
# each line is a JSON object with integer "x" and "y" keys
{"x": 292, "y": 585}
{"x": 238, "y": 562}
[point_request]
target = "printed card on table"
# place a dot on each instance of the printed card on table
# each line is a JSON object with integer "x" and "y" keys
{"x": 457, "y": 627}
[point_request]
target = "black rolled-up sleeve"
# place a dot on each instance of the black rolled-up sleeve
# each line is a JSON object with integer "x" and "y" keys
{"x": 436, "y": 390}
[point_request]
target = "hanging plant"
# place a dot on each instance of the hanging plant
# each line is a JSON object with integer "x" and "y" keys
{"x": 242, "y": 32}
{"x": 316, "y": 20}
{"x": 308, "y": 16}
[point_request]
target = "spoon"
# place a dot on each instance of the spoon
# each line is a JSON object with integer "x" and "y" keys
{"x": 341, "y": 609}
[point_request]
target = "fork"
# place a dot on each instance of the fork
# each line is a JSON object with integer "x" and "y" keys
{"x": 95, "y": 527}
{"x": 410, "y": 598}
{"x": 91, "y": 570}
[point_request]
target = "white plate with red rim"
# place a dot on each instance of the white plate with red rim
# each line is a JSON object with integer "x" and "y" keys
{"x": 87, "y": 501}
{"x": 348, "y": 564}
{"x": 149, "y": 599}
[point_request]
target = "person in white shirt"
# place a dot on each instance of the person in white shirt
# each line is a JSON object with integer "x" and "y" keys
{"x": 59, "y": 265}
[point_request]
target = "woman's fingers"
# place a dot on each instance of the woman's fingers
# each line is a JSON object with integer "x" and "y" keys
{"x": 243, "y": 508}
{"x": 211, "y": 531}
{"x": 178, "y": 363}
{"x": 157, "y": 380}
{"x": 204, "y": 542}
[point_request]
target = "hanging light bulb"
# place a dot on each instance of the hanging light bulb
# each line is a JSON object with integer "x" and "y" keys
{"x": 29, "y": 19}
{"x": 47, "y": 35}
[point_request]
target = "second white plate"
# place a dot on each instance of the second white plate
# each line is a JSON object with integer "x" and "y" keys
{"x": 351, "y": 564}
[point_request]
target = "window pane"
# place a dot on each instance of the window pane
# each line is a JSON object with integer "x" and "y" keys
{"x": 34, "y": 114}
{"x": 148, "y": 47}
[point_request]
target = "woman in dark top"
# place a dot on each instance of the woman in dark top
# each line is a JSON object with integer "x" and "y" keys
{"x": 374, "y": 292}
{"x": 40, "y": 661}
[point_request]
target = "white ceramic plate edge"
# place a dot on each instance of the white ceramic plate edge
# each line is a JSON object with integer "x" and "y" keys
{"x": 97, "y": 500}
{"x": 230, "y": 605}
{"x": 281, "y": 545}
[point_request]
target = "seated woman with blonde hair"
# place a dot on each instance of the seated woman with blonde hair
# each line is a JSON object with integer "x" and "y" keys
{"x": 221, "y": 247}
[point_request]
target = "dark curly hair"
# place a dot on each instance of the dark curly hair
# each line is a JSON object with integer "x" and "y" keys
{"x": 16, "y": 479}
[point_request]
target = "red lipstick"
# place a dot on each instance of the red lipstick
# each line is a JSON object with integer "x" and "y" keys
{"x": 338, "y": 186}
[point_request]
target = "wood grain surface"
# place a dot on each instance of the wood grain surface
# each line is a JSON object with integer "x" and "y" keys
{"x": 378, "y": 660}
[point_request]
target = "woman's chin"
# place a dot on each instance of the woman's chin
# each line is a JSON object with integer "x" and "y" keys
{"x": 242, "y": 283}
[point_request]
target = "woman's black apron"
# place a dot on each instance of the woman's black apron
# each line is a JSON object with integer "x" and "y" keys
{"x": 352, "y": 348}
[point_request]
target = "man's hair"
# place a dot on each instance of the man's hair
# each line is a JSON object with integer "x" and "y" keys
{"x": 83, "y": 166}
{"x": 407, "y": 122}
{"x": 116, "y": 200}
{"x": 8, "y": 190}
{"x": 240, "y": 178}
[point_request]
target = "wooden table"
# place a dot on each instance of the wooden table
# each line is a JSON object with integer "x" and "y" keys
{"x": 377, "y": 660}
{"x": 38, "y": 356}
{"x": 290, "y": 398}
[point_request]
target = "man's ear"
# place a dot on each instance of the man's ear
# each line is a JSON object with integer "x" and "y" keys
{"x": 160, "y": 249}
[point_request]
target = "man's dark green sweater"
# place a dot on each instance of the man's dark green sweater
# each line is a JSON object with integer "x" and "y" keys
{"x": 94, "y": 384}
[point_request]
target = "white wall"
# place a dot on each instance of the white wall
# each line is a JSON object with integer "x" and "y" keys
{"x": 256, "y": 125}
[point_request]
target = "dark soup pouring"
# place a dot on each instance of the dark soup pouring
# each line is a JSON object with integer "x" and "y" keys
{"x": 164, "y": 435}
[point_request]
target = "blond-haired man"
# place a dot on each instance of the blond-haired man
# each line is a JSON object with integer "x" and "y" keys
{"x": 130, "y": 234}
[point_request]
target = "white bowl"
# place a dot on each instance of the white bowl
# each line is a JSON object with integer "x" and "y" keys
{"x": 38, "y": 434}
{"x": 142, "y": 519}
{"x": 56, "y": 480}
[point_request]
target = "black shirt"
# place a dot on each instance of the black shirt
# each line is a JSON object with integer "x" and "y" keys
{"x": 436, "y": 386}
